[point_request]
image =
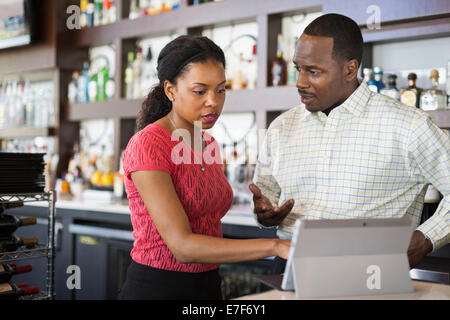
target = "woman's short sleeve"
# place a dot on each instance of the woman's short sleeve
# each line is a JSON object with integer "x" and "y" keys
{"x": 147, "y": 151}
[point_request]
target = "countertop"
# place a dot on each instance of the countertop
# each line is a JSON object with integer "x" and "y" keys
{"x": 422, "y": 291}
{"x": 238, "y": 214}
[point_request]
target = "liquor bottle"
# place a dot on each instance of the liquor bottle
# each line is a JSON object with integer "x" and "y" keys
{"x": 167, "y": 5}
{"x": 137, "y": 74}
{"x": 3, "y": 107}
{"x": 28, "y": 101}
{"x": 119, "y": 187}
{"x": 83, "y": 13}
{"x": 155, "y": 7}
{"x": 83, "y": 81}
{"x": 149, "y": 76}
{"x": 10, "y": 291}
{"x": 279, "y": 66}
{"x": 143, "y": 7}
{"x": 98, "y": 19}
{"x": 175, "y": 4}
{"x": 391, "y": 90}
{"x": 239, "y": 81}
{"x": 106, "y": 14}
{"x": 90, "y": 9}
{"x": 9, "y": 270}
{"x": 112, "y": 11}
{"x": 102, "y": 79}
{"x": 291, "y": 69}
{"x": 129, "y": 77}
{"x": 19, "y": 106}
{"x": 72, "y": 90}
{"x": 411, "y": 94}
{"x": 379, "y": 78}
{"x": 92, "y": 87}
{"x": 433, "y": 98}
{"x": 10, "y": 205}
{"x": 110, "y": 88}
{"x": 14, "y": 242}
{"x": 134, "y": 10}
{"x": 252, "y": 70}
{"x": 9, "y": 224}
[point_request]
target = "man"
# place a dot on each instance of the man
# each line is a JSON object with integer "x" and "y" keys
{"x": 349, "y": 152}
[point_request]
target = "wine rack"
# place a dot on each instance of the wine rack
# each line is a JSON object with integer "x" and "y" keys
{"x": 41, "y": 250}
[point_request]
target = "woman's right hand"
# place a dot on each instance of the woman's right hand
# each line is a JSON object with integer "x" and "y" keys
{"x": 282, "y": 248}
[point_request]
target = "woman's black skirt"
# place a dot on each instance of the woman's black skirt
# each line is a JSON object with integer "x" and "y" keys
{"x": 147, "y": 283}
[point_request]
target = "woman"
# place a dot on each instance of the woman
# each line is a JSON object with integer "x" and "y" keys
{"x": 177, "y": 194}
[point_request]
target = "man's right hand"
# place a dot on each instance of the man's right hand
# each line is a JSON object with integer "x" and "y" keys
{"x": 267, "y": 214}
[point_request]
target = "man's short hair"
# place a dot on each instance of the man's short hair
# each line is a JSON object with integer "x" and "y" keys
{"x": 347, "y": 37}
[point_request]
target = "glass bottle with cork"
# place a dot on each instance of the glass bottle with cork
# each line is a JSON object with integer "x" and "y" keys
{"x": 391, "y": 90}
{"x": 379, "y": 78}
{"x": 433, "y": 98}
{"x": 368, "y": 78}
{"x": 411, "y": 94}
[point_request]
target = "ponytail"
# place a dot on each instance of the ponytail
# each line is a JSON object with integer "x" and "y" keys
{"x": 155, "y": 107}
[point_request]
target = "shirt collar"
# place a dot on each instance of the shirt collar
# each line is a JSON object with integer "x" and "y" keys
{"x": 355, "y": 103}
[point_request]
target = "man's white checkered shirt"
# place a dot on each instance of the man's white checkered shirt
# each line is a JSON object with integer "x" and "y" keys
{"x": 372, "y": 157}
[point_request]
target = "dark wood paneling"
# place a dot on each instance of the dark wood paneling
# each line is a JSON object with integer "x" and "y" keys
{"x": 188, "y": 17}
{"x": 269, "y": 98}
{"x": 274, "y": 28}
{"x": 431, "y": 28}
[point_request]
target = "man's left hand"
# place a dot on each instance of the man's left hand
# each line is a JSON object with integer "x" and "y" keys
{"x": 418, "y": 248}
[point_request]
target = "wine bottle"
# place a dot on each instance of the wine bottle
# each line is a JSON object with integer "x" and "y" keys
{"x": 9, "y": 270}
{"x": 9, "y": 224}
{"x": 14, "y": 242}
{"x": 10, "y": 291}
{"x": 279, "y": 66}
{"x": 10, "y": 205}
{"x": 129, "y": 77}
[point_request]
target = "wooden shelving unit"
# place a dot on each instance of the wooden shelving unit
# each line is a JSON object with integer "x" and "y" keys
{"x": 411, "y": 24}
{"x": 266, "y": 99}
{"x": 27, "y": 132}
{"x": 63, "y": 51}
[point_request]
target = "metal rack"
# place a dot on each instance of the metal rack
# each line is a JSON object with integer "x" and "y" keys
{"x": 41, "y": 250}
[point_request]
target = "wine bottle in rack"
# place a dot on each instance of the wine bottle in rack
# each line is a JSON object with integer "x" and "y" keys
{"x": 9, "y": 270}
{"x": 10, "y": 205}
{"x": 9, "y": 224}
{"x": 10, "y": 291}
{"x": 14, "y": 242}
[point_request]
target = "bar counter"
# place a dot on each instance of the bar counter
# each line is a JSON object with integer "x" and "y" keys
{"x": 422, "y": 291}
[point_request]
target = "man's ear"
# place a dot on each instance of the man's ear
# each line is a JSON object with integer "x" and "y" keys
{"x": 351, "y": 70}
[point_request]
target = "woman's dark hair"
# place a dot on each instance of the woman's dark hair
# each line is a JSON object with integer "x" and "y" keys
{"x": 347, "y": 37}
{"x": 173, "y": 61}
